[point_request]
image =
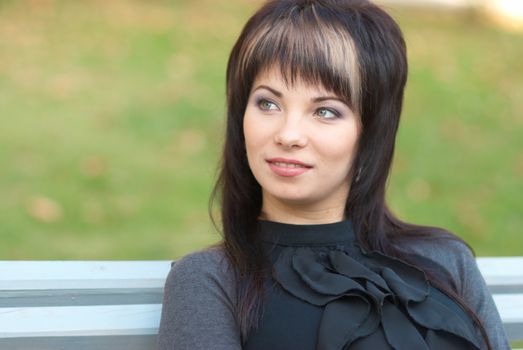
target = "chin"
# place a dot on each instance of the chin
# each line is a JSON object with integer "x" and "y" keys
{"x": 294, "y": 198}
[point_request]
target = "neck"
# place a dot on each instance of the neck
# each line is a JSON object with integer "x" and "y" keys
{"x": 301, "y": 214}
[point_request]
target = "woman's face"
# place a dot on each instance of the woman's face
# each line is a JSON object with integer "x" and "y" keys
{"x": 300, "y": 141}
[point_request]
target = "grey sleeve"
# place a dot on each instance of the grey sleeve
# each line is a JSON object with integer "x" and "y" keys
{"x": 461, "y": 263}
{"x": 198, "y": 305}
{"x": 475, "y": 292}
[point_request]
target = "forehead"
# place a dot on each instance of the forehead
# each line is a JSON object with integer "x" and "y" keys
{"x": 276, "y": 78}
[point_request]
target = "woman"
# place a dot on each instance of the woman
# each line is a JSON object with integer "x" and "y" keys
{"x": 312, "y": 258}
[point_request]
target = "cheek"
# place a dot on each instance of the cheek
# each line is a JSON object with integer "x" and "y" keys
{"x": 249, "y": 130}
{"x": 339, "y": 149}
{"x": 254, "y": 136}
{"x": 257, "y": 130}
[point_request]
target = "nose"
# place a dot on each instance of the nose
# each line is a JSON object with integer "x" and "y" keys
{"x": 290, "y": 133}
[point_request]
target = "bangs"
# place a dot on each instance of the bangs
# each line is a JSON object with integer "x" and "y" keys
{"x": 307, "y": 44}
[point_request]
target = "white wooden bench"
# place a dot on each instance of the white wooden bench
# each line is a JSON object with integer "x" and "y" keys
{"x": 111, "y": 305}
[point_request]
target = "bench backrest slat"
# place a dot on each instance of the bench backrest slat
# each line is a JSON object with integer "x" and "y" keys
{"x": 110, "y": 342}
{"x": 503, "y": 274}
{"x": 40, "y": 275}
{"x": 90, "y": 320}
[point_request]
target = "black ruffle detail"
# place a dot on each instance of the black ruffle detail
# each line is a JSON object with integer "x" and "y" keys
{"x": 372, "y": 293}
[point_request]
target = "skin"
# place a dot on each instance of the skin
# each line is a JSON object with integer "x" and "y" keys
{"x": 308, "y": 124}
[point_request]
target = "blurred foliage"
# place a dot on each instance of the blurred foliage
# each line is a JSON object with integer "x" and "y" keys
{"x": 112, "y": 115}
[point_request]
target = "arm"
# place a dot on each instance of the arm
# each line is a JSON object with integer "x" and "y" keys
{"x": 198, "y": 305}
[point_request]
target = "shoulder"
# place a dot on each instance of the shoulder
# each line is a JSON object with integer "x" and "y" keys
{"x": 454, "y": 256}
{"x": 199, "y": 303}
{"x": 202, "y": 276}
{"x": 209, "y": 266}
{"x": 442, "y": 249}
{"x": 458, "y": 261}
{"x": 209, "y": 260}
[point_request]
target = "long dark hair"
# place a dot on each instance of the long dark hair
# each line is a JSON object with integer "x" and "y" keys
{"x": 356, "y": 50}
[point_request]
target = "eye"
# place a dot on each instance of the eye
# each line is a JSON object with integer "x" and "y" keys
{"x": 327, "y": 113}
{"x": 266, "y": 105}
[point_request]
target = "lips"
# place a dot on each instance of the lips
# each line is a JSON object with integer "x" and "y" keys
{"x": 288, "y": 167}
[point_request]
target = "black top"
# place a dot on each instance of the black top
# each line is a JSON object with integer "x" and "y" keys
{"x": 326, "y": 293}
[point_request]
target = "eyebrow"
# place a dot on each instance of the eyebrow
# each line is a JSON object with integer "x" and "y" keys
{"x": 314, "y": 99}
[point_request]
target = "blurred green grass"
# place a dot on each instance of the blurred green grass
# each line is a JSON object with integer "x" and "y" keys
{"x": 112, "y": 114}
